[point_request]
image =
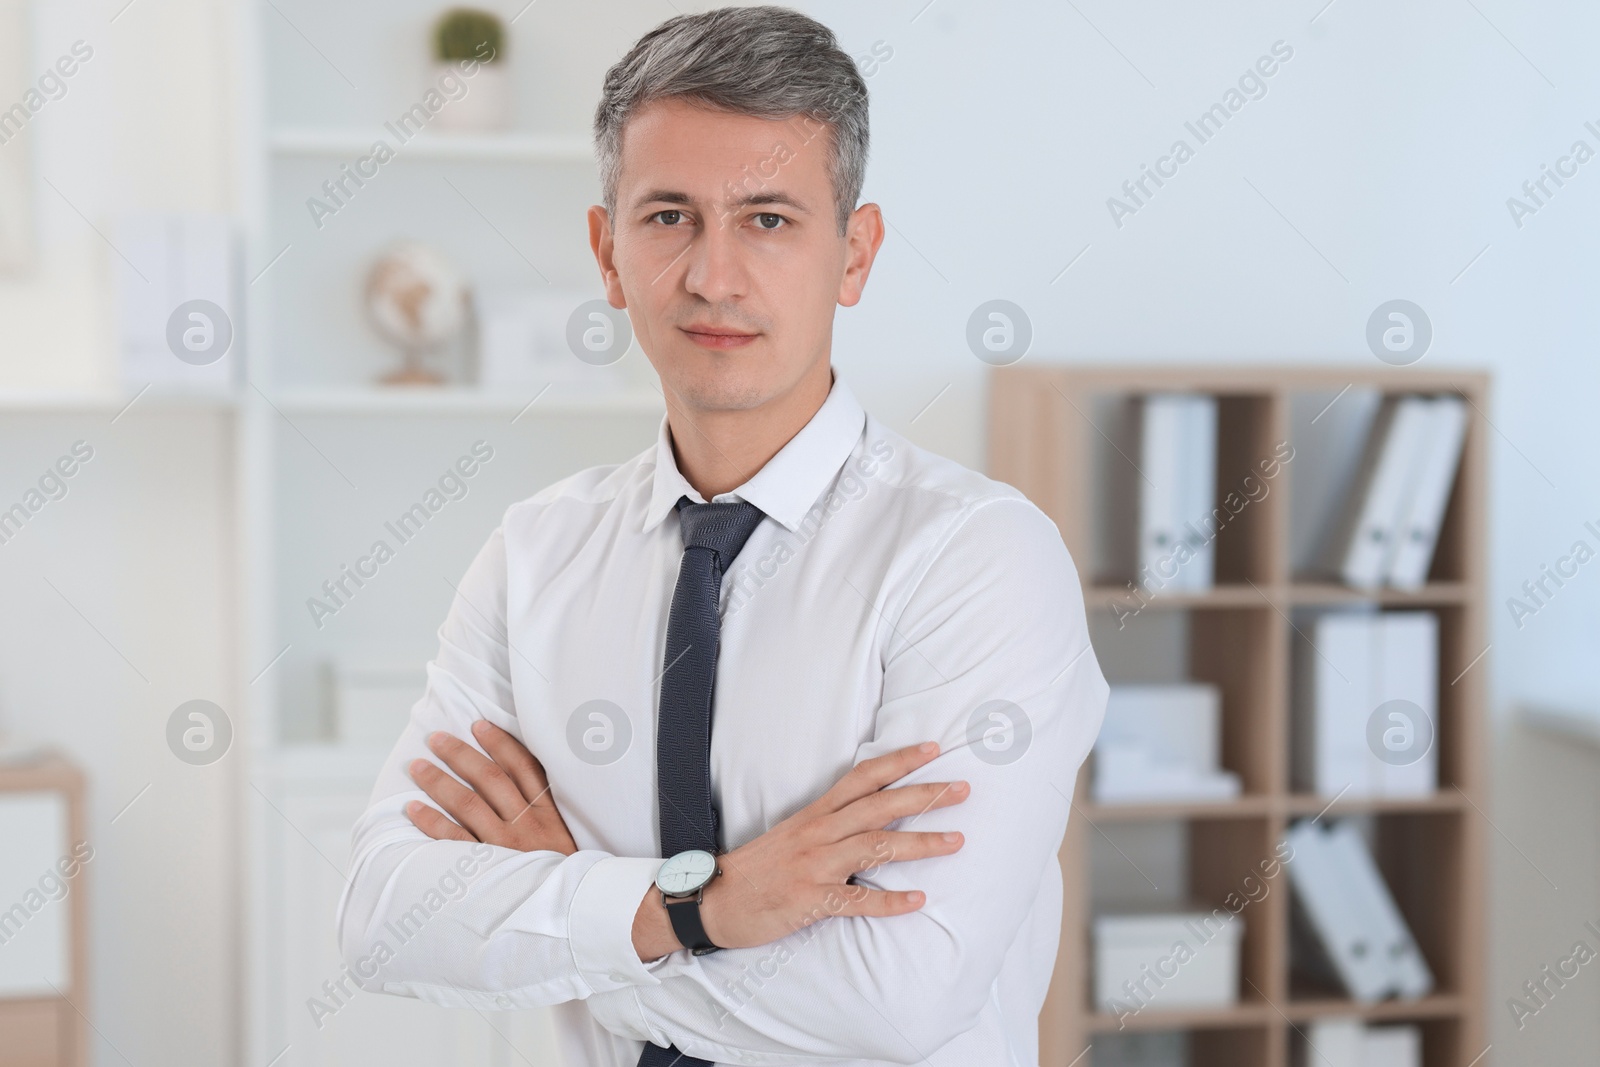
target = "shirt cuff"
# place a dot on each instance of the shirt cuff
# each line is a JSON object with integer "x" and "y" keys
{"x": 600, "y": 922}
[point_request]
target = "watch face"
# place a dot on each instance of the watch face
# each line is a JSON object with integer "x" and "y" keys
{"x": 683, "y": 875}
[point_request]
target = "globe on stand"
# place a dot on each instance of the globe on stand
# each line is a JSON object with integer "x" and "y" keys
{"x": 417, "y": 300}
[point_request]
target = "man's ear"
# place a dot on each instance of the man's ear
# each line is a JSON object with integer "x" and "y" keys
{"x": 601, "y": 240}
{"x": 863, "y": 237}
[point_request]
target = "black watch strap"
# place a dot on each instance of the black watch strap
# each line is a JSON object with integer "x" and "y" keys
{"x": 684, "y": 914}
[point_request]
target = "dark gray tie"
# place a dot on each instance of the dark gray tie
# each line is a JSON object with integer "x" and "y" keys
{"x": 713, "y": 534}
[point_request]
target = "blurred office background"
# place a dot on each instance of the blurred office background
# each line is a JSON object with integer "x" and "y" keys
{"x": 174, "y": 564}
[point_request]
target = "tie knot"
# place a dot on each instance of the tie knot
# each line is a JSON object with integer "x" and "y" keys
{"x": 723, "y": 528}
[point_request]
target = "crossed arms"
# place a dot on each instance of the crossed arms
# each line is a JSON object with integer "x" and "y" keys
{"x": 892, "y": 967}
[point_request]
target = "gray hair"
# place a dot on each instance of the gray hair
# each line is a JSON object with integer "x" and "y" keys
{"x": 768, "y": 62}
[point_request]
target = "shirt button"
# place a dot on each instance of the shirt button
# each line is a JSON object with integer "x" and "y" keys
{"x": 620, "y": 979}
{"x": 503, "y": 1001}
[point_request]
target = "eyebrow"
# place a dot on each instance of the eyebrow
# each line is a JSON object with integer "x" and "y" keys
{"x": 758, "y": 199}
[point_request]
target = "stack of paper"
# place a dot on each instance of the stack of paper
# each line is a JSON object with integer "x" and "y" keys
{"x": 1350, "y": 668}
{"x": 1390, "y": 532}
{"x": 1195, "y": 953}
{"x": 1392, "y": 1046}
{"x": 1357, "y": 936}
{"x": 176, "y": 293}
{"x": 1161, "y": 742}
{"x": 1345, "y": 1042}
{"x": 522, "y": 338}
{"x": 1177, "y": 492}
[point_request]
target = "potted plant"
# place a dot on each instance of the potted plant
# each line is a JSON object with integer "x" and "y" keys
{"x": 470, "y": 44}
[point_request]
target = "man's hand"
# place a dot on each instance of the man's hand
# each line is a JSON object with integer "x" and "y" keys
{"x": 508, "y": 804}
{"x": 788, "y": 878}
{"x": 799, "y": 871}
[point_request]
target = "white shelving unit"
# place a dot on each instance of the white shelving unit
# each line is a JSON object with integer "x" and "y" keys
{"x": 324, "y": 457}
{"x": 316, "y": 457}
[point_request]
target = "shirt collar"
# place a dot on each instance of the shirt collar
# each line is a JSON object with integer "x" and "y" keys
{"x": 791, "y": 481}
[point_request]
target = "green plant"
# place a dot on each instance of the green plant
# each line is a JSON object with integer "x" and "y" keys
{"x": 468, "y": 33}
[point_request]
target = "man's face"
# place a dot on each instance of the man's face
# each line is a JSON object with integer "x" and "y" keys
{"x": 726, "y": 252}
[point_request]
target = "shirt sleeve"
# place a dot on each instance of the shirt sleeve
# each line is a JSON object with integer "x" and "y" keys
{"x": 467, "y": 924}
{"x": 990, "y": 656}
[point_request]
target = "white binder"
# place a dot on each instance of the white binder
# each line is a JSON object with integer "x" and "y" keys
{"x": 1341, "y": 924}
{"x": 1425, "y": 504}
{"x": 1387, "y": 477}
{"x": 1406, "y": 973}
{"x": 1161, "y": 431}
{"x": 1351, "y": 665}
{"x": 1199, "y": 489}
{"x": 1404, "y": 653}
{"x": 1333, "y": 675}
{"x": 1353, "y": 915}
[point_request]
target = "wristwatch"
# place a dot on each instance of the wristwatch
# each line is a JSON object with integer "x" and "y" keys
{"x": 682, "y": 880}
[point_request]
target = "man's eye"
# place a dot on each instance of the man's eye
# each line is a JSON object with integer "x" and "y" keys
{"x": 769, "y": 221}
{"x": 675, "y": 217}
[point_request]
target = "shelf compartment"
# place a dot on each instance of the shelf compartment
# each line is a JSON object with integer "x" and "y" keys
{"x": 1155, "y": 647}
{"x": 1426, "y": 859}
{"x": 1423, "y": 857}
{"x": 1332, "y": 433}
{"x": 1243, "y": 510}
{"x": 1227, "y": 866}
{"x": 1442, "y": 1022}
{"x": 1240, "y": 652}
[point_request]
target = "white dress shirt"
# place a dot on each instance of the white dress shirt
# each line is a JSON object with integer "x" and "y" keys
{"x": 889, "y": 597}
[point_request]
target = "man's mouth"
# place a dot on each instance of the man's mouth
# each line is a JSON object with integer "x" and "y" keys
{"x": 718, "y": 336}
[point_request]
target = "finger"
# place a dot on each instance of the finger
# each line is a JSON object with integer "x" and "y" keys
{"x": 869, "y": 776}
{"x": 461, "y": 803}
{"x": 859, "y": 900}
{"x": 431, "y": 822}
{"x": 885, "y": 806}
{"x": 515, "y": 759}
{"x": 863, "y": 852}
{"x": 486, "y": 777}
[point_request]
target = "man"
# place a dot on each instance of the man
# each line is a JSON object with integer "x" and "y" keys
{"x": 842, "y": 685}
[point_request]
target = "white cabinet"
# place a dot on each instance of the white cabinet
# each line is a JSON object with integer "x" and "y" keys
{"x": 43, "y": 878}
{"x": 309, "y": 799}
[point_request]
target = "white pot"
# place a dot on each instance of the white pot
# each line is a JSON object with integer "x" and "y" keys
{"x": 486, "y": 105}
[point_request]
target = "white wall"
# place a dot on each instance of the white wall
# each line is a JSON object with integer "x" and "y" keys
{"x": 119, "y": 606}
{"x": 1377, "y": 166}
{"x": 1390, "y": 142}
{"x": 1547, "y": 890}
{"x": 144, "y": 126}
{"x": 142, "y": 544}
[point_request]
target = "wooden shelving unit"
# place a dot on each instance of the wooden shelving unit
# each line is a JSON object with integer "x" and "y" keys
{"x": 1046, "y": 440}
